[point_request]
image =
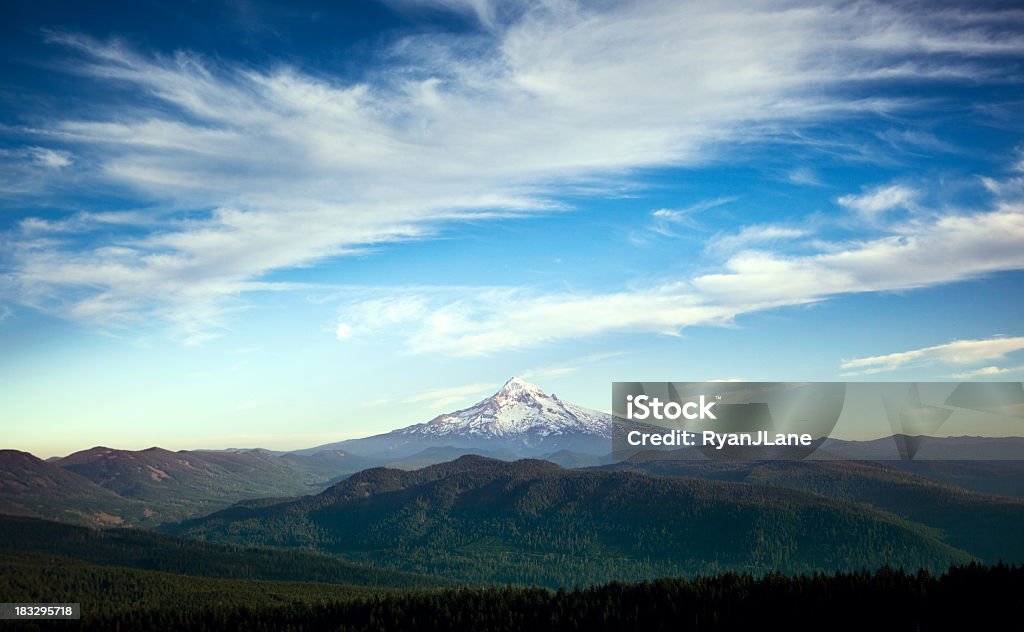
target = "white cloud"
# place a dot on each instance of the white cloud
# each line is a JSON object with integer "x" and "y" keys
{"x": 1009, "y": 188}
{"x": 672, "y": 222}
{"x": 5, "y": 313}
{"x": 915, "y": 141}
{"x": 83, "y": 222}
{"x": 30, "y": 171}
{"x": 805, "y": 176}
{"x": 567, "y": 367}
{"x": 666, "y": 216}
{"x": 447, "y": 128}
{"x": 442, "y": 398}
{"x": 666, "y": 219}
{"x": 919, "y": 253}
{"x": 987, "y": 371}
{"x": 343, "y": 331}
{"x": 956, "y": 352}
{"x": 485, "y": 11}
{"x": 50, "y": 158}
{"x": 757, "y": 234}
{"x": 549, "y": 372}
{"x": 879, "y": 200}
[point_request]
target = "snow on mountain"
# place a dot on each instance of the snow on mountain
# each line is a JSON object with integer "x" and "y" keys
{"x": 519, "y": 410}
{"x": 518, "y": 421}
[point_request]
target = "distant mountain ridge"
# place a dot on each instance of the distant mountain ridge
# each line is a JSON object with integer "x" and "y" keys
{"x": 35, "y": 488}
{"x": 107, "y": 487}
{"x": 925, "y": 448}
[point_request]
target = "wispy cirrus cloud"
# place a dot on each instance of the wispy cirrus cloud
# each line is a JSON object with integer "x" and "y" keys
{"x": 957, "y": 352}
{"x": 874, "y": 202}
{"x": 672, "y": 222}
{"x": 920, "y": 252}
{"x": 27, "y": 171}
{"x": 567, "y": 367}
{"x": 986, "y": 371}
{"x": 804, "y": 176}
{"x": 442, "y": 398}
{"x": 915, "y": 140}
{"x": 81, "y": 222}
{"x": 50, "y": 158}
{"x": 444, "y": 129}
{"x": 758, "y": 235}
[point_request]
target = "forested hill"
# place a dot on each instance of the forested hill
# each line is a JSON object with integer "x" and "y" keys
{"x": 140, "y": 549}
{"x": 987, "y": 525}
{"x": 482, "y": 520}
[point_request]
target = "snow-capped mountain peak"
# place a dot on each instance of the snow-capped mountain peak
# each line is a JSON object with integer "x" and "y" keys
{"x": 520, "y": 411}
{"x": 516, "y": 391}
{"x": 516, "y": 385}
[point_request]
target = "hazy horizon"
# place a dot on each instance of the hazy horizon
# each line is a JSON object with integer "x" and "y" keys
{"x": 964, "y": 423}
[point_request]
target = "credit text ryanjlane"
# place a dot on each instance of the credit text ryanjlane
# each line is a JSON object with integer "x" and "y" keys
{"x": 710, "y": 438}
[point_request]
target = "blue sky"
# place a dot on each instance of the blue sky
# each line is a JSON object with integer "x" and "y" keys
{"x": 241, "y": 223}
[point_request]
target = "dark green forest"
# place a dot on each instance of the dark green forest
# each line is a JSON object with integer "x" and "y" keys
{"x": 967, "y": 597}
{"x": 152, "y": 551}
{"x": 478, "y": 520}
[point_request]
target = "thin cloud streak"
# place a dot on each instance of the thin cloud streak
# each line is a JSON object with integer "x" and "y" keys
{"x": 757, "y": 234}
{"x": 567, "y": 367}
{"x": 957, "y": 352}
{"x": 987, "y": 371}
{"x": 442, "y": 398}
{"x": 879, "y": 200}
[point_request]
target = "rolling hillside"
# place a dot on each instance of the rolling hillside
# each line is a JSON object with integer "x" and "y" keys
{"x": 107, "y": 487}
{"x": 135, "y": 548}
{"x": 30, "y": 486}
{"x": 180, "y": 484}
{"x": 988, "y": 526}
{"x": 482, "y": 520}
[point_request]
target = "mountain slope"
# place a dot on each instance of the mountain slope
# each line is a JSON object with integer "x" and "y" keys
{"x": 326, "y": 464}
{"x": 136, "y": 548}
{"x": 519, "y": 418}
{"x": 926, "y": 448}
{"x": 106, "y": 487}
{"x": 30, "y": 486}
{"x": 186, "y": 483}
{"x": 477, "y": 519}
{"x": 986, "y": 525}
{"x": 999, "y": 478}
